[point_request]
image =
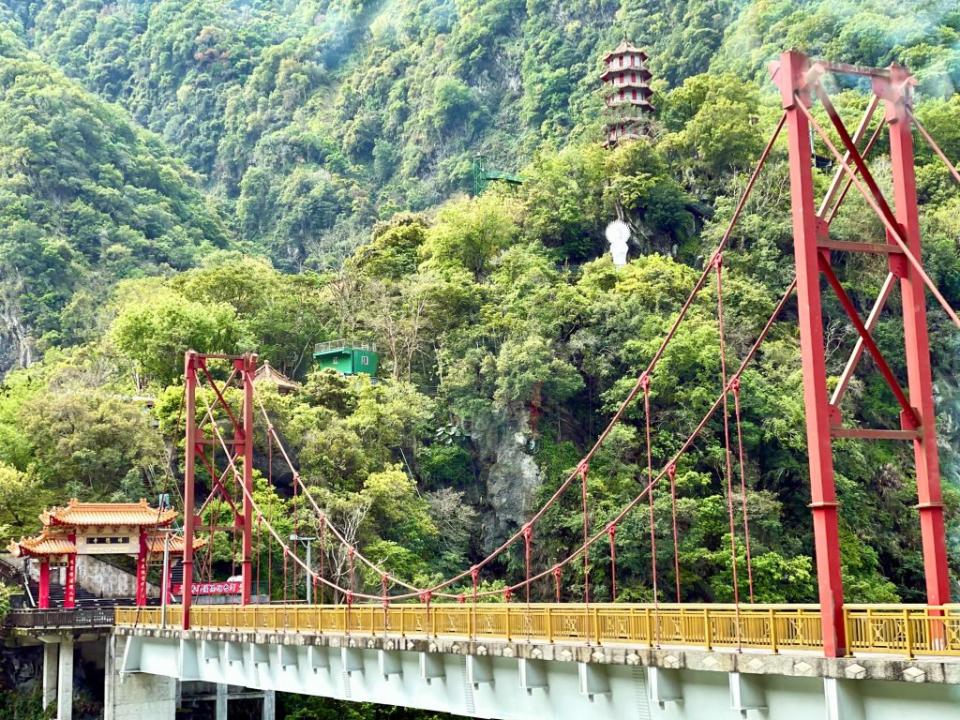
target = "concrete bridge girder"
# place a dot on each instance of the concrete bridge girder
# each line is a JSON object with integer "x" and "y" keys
{"x": 506, "y": 687}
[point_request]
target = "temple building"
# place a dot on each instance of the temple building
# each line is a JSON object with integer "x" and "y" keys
{"x": 627, "y": 93}
{"x": 132, "y": 529}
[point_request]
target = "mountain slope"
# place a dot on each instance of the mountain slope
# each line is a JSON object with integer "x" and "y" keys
{"x": 86, "y": 198}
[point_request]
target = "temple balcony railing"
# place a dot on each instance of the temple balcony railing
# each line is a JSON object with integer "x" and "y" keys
{"x": 60, "y": 618}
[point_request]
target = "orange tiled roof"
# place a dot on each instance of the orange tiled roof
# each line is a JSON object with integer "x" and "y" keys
{"x": 45, "y": 543}
{"x": 175, "y": 545}
{"x": 77, "y": 513}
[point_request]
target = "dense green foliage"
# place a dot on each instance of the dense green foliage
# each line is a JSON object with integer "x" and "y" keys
{"x": 263, "y": 175}
{"x": 23, "y": 706}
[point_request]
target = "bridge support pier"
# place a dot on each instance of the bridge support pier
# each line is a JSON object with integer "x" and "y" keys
{"x": 222, "y": 701}
{"x": 51, "y": 652}
{"x": 135, "y": 695}
{"x": 269, "y": 708}
{"x": 65, "y": 679}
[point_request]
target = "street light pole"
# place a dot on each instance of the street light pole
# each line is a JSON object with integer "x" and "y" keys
{"x": 307, "y": 579}
{"x": 165, "y": 580}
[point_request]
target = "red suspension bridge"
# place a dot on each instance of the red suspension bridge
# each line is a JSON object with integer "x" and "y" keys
{"x": 221, "y": 443}
{"x": 385, "y": 638}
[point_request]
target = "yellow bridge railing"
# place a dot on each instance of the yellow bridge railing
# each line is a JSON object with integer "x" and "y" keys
{"x": 893, "y": 629}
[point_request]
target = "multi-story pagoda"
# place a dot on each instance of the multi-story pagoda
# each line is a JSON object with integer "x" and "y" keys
{"x": 627, "y": 92}
{"x": 134, "y": 529}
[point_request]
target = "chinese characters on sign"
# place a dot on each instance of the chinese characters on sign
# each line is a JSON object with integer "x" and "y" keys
{"x": 209, "y": 588}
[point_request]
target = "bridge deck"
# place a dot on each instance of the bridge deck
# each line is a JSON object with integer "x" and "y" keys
{"x": 899, "y": 630}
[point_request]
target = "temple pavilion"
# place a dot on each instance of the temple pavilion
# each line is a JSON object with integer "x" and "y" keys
{"x": 132, "y": 529}
{"x": 268, "y": 374}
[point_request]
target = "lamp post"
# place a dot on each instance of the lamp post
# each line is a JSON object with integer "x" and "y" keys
{"x": 165, "y": 579}
{"x": 306, "y": 541}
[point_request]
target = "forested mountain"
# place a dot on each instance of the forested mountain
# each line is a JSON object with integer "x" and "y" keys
{"x": 318, "y": 117}
{"x": 264, "y": 174}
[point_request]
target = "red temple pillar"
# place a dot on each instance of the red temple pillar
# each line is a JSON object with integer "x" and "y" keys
{"x": 70, "y": 589}
{"x": 142, "y": 570}
{"x": 44, "y": 600}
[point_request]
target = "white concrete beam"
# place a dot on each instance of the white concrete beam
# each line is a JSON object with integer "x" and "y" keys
{"x": 234, "y": 653}
{"x": 189, "y": 661}
{"x": 533, "y": 674}
{"x": 259, "y": 654}
{"x": 665, "y": 686}
{"x": 318, "y": 658}
{"x": 210, "y": 651}
{"x": 842, "y": 700}
{"x": 479, "y": 670}
{"x": 132, "y": 650}
{"x": 352, "y": 660}
{"x": 390, "y": 663}
{"x": 746, "y": 693}
{"x": 288, "y": 656}
{"x": 593, "y": 678}
{"x": 432, "y": 667}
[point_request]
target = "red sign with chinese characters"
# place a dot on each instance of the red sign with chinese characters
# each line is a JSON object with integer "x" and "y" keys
{"x": 209, "y": 588}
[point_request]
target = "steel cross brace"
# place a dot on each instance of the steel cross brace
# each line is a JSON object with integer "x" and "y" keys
{"x": 909, "y": 413}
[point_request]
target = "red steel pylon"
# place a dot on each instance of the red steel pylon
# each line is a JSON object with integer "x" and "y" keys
{"x": 799, "y": 81}
{"x": 195, "y": 373}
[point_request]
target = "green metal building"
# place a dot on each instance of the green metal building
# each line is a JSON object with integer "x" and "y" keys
{"x": 347, "y": 358}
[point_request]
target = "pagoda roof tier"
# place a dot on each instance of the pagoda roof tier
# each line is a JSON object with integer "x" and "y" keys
{"x": 629, "y": 111}
{"x": 268, "y": 373}
{"x": 627, "y": 94}
{"x": 78, "y": 514}
{"x": 639, "y": 70}
{"x": 175, "y": 544}
{"x": 626, "y": 104}
{"x": 625, "y": 48}
{"x": 43, "y": 545}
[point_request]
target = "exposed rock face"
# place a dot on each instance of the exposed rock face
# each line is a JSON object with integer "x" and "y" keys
{"x": 16, "y": 343}
{"x": 512, "y": 477}
{"x": 20, "y": 668}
